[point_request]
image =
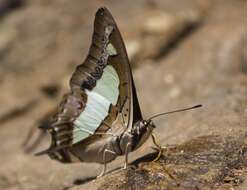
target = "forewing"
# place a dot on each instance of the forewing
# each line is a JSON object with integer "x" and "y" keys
{"x": 127, "y": 105}
{"x": 108, "y": 49}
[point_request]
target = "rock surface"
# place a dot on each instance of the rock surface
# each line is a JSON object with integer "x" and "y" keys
{"x": 200, "y": 58}
{"x": 208, "y": 162}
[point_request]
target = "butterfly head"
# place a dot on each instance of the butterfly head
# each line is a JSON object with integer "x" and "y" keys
{"x": 148, "y": 124}
{"x": 140, "y": 132}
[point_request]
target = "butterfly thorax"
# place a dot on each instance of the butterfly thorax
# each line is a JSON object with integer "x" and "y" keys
{"x": 136, "y": 136}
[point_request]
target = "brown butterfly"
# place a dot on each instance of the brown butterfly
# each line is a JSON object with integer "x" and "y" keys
{"x": 100, "y": 118}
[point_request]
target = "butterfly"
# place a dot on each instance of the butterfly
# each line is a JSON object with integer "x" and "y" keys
{"x": 100, "y": 118}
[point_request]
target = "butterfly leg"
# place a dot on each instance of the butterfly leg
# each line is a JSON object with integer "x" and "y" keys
{"x": 106, "y": 151}
{"x": 126, "y": 156}
{"x": 158, "y": 146}
{"x": 161, "y": 150}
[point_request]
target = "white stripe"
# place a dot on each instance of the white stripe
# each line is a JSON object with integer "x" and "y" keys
{"x": 104, "y": 94}
{"x": 111, "y": 50}
{"x": 107, "y": 86}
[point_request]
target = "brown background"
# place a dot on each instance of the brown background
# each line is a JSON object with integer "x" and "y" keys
{"x": 182, "y": 52}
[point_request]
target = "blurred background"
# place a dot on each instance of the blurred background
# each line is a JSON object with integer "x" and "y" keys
{"x": 182, "y": 53}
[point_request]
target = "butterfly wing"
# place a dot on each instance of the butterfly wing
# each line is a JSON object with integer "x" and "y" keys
{"x": 102, "y": 90}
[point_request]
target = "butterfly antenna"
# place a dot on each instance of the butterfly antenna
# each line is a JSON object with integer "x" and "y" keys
{"x": 175, "y": 111}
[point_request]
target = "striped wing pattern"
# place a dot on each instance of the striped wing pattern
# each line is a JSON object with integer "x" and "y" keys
{"x": 97, "y": 107}
{"x": 101, "y": 88}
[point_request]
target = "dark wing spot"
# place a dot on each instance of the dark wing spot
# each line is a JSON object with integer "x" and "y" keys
{"x": 124, "y": 83}
{"x": 97, "y": 73}
{"x": 89, "y": 84}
